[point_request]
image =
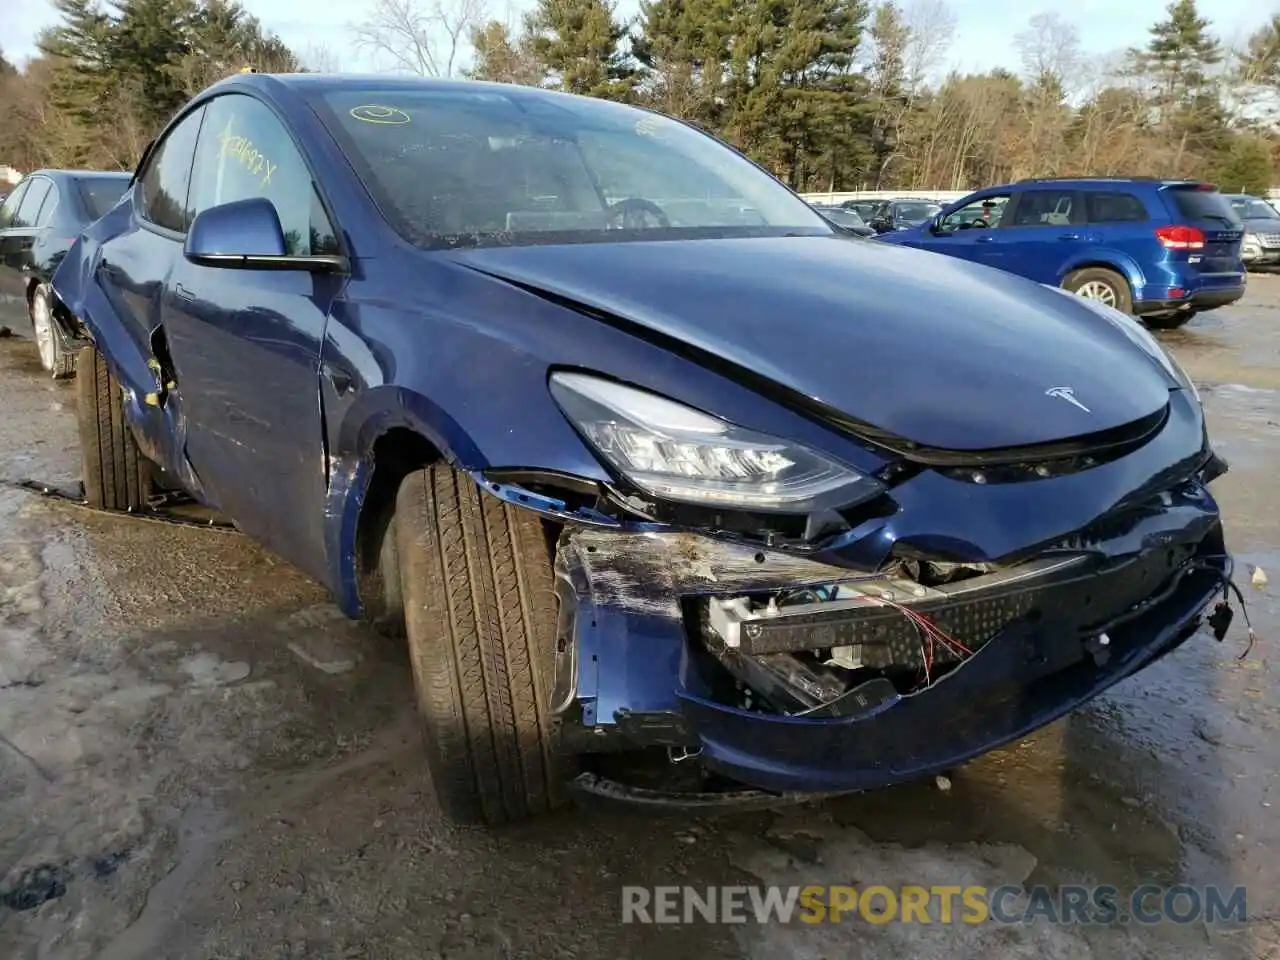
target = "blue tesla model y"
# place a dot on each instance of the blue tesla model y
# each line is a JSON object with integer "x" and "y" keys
{"x": 642, "y": 458}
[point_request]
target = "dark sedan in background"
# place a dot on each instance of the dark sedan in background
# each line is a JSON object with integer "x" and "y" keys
{"x": 903, "y": 214}
{"x": 845, "y": 220}
{"x": 39, "y": 220}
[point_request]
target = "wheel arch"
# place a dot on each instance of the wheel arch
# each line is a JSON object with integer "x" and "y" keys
{"x": 1125, "y": 266}
{"x": 395, "y": 453}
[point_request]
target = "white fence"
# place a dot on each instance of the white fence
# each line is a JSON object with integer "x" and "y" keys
{"x": 938, "y": 196}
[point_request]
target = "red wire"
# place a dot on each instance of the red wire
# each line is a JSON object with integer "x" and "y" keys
{"x": 928, "y": 625}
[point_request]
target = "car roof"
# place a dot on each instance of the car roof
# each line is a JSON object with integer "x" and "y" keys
{"x": 1092, "y": 182}
{"x": 60, "y": 174}
{"x": 324, "y": 82}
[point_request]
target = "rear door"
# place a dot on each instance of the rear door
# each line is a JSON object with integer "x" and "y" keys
{"x": 16, "y": 256}
{"x": 134, "y": 264}
{"x": 1044, "y": 229}
{"x": 1120, "y": 220}
{"x": 1201, "y": 206}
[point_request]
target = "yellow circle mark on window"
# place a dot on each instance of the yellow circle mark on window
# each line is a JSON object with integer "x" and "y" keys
{"x": 377, "y": 113}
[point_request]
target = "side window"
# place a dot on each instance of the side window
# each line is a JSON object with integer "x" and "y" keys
{"x": 981, "y": 214}
{"x": 29, "y": 209}
{"x": 48, "y": 207}
{"x": 246, "y": 152}
{"x": 1044, "y": 208}
{"x": 9, "y": 210}
{"x": 168, "y": 174}
{"x": 1114, "y": 208}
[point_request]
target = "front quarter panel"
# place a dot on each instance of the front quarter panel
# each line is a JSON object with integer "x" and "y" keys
{"x": 462, "y": 359}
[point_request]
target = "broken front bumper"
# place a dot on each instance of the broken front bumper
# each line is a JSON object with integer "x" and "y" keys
{"x": 649, "y": 656}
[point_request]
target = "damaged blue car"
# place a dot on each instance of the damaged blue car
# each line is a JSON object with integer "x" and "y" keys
{"x": 677, "y": 496}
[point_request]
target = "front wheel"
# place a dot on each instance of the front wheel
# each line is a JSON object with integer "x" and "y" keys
{"x": 1105, "y": 286}
{"x": 53, "y": 357}
{"x": 480, "y": 615}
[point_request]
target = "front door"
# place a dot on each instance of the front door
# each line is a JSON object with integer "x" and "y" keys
{"x": 972, "y": 232}
{"x": 245, "y": 344}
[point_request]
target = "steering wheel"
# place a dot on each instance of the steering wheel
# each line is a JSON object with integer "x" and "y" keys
{"x": 635, "y": 213}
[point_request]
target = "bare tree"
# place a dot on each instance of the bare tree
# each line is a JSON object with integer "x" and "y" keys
{"x": 1050, "y": 51}
{"x": 931, "y": 24}
{"x": 319, "y": 58}
{"x": 426, "y": 37}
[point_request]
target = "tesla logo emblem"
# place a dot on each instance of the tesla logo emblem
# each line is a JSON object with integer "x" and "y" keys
{"x": 1067, "y": 394}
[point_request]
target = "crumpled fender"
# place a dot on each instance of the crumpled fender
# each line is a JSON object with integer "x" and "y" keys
{"x": 75, "y": 284}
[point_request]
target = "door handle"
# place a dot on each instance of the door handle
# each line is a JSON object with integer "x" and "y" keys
{"x": 182, "y": 292}
{"x": 985, "y": 238}
{"x": 1068, "y": 236}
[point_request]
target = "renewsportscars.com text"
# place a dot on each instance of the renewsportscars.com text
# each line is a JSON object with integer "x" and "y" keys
{"x": 1009, "y": 904}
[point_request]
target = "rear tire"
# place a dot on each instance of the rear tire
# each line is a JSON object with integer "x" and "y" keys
{"x": 58, "y": 361}
{"x": 480, "y": 617}
{"x": 1171, "y": 322}
{"x": 115, "y": 473}
{"x": 1105, "y": 286}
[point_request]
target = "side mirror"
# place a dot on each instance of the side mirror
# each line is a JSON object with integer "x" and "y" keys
{"x": 935, "y": 225}
{"x": 246, "y": 235}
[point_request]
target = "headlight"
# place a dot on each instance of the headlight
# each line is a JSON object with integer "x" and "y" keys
{"x": 678, "y": 453}
{"x": 1140, "y": 335}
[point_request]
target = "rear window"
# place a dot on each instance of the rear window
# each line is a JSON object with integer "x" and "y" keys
{"x": 1114, "y": 208}
{"x": 101, "y": 193}
{"x": 1197, "y": 203}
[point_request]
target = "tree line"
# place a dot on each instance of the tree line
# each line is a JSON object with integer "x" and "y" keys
{"x": 829, "y": 94}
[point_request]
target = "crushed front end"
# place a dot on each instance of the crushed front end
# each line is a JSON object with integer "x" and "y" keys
{"x": 976, "y": 607}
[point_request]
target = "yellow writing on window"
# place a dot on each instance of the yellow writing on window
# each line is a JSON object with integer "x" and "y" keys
{"x": 247, "y": 154}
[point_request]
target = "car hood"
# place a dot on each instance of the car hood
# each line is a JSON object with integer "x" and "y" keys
{"x": 1262, "y": 225}
{"x": 931, "y": 349}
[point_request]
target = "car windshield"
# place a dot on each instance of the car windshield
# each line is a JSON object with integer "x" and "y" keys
{"x": 1251, "y": 208}
{"x": 100, "y": 193}
{"x": 451, "y": 166}
{"x": 915, "y": 213}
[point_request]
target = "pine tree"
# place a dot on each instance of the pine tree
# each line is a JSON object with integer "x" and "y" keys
{"x": 1181, "y": 52}
{"x": 499, "y": 58}
{"x": 149, "y": 39}
{"x": 579, "y": 43}
{"x": 683, "y": 47}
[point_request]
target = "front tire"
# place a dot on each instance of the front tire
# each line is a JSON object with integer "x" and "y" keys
{"x": 480, "y": 617}
{"x": 116, "y": 475}
{"x": 56, "y": 360}
{"x": 1105, "y": 286}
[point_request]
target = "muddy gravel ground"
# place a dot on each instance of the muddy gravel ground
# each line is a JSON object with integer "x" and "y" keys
{"x": 200, "y": 758}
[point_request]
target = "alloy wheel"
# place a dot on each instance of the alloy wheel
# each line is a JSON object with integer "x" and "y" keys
{"x": 1098, "y": 290}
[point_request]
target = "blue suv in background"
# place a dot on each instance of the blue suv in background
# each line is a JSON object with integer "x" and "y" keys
{"x": 1162, "y": 250}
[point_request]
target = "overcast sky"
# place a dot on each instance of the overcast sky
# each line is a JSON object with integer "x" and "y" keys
{"x": 984, "y": 34}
